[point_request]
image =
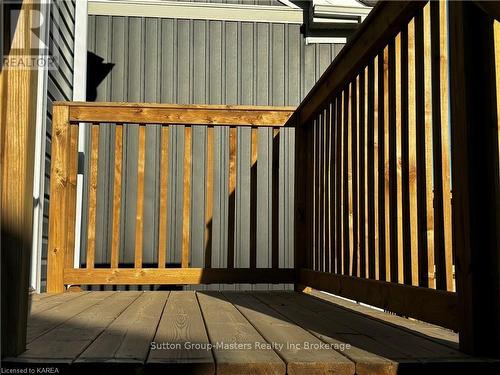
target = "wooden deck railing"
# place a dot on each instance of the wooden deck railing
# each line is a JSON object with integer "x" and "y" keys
{"x": 401, "y": 116}
{"x": 66, "y": 116}
{"x": 374, "y": 222}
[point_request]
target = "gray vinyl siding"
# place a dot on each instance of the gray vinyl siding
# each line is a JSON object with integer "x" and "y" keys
{"x": 201, "y": 62}
{"x": 59, "y": 87}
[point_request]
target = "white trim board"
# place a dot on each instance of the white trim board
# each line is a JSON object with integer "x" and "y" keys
{"x": 39, "y": 166}
{"x": 200, "y": 11}
{"x": 80, "y": 94}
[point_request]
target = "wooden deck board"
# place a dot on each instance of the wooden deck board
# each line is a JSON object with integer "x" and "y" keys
{"x": 181, "y": 323}
{"x": 412, "y": 346}
{"x": 43, "y": 321}
{"x": 68, "y": 340}
{"x": 128, "y": 338}
{"x": 227, "y": 326}
{"x": 444, "y": 336}
{"x": 112, "y": 332}
{"x": 297, "y": 347}
{"x": 52, "y": 300}
{"x": 366, "y": 362}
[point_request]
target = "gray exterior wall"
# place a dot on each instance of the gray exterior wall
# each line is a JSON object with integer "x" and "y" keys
{"x": 200, "y": 62}
{"x": 59, "y": 87}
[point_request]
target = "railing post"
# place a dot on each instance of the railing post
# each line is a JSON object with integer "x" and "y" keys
{"x": 301, "y": 194}
{"x": 18, "y": 103}
{"x": 475, "y": 171}
{"x": 60, "y": 186}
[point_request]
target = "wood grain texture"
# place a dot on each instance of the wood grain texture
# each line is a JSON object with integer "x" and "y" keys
{"x": 428, "y": 146}
{"x": 163, "y": 230}
{"x": 69, "y": 339}
{"x": 55, "y": 299}
{"x": 216, "y": 115}
{"x": 295, "y": 308}
{"x": 420, "y": 152}
{"x": 182, "y": 323}
{"x": 406, "y": 231}
{"x": 433, "y": 306}
{"x": 445, "y": 143}
{"x": 58, "y": 210}
{"x": 224, "y": 323}
{"x": 139, "y": 215}
{"x": 117, "y": 192}
{"x": 18, "y": 103}
{"x": 129, "y": 336}
{"x": 277, "y": 329}
{"x": 43, "y": 320}
{"x": 382, "y": 22}
{"x": 124, "y": 276}
{"x": 92, "y": 200}
{"x": 412, "y": 154}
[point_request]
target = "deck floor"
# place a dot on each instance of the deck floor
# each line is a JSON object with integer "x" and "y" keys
{"x": 231, "y": 333}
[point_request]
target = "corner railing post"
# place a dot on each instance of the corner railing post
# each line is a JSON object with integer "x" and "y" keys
{"x": 475, "y": 171}
{"x": 301, "y": 194}
{"x": 59, "y": 212}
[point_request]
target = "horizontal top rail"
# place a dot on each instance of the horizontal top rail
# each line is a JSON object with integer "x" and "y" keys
{"x": 383, "y": 22}
{"x": 177, "y": 114}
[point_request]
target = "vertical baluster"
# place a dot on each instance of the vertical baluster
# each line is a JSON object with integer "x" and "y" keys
{"x": 376, "y": 164}
{"x": 445, "y": 141}
{"x": 370, "y": 169}
{"x": 439, "y": 239}
{"x": 321, "y": 189}
{"x": 354, "y": 178}
{"x": 428, "y": 146}
{"x": 338, "y": 185}
{"x": 91, "y": 225}
{"x": 423, "y": 266}
{"x": 381, "y": 167}
{"x": 398, "y": 162}
{"x": 315, "y": 194}
{"x": 412, "y": 155}
{"x": 327, "y": 201}
{"x": 405, "y": 161}
{"x": 117, "y": 192}
{"x": 333, "y": 179}
{"x": 139, "y": 216}
{"x": 362, "y": 174}
{"x": 386, "y": 186}
{"x": 392, "y": 163}
{"x": 345, "y": 182}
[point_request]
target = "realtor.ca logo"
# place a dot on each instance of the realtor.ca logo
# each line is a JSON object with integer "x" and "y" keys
{"x": 29, "y": 26}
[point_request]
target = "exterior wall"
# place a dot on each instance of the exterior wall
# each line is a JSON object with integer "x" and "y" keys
{"x": 59, "y": 87}
{"x": 200, "y": 62}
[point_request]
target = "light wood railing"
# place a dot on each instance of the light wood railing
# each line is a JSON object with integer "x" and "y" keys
{"x": 400, "y": 118}
{"x": 67, "y": 116}
{"x": 374, "y": 222}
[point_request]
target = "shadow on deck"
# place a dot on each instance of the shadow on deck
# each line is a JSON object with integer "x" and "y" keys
{"x": 231, "y": 332}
